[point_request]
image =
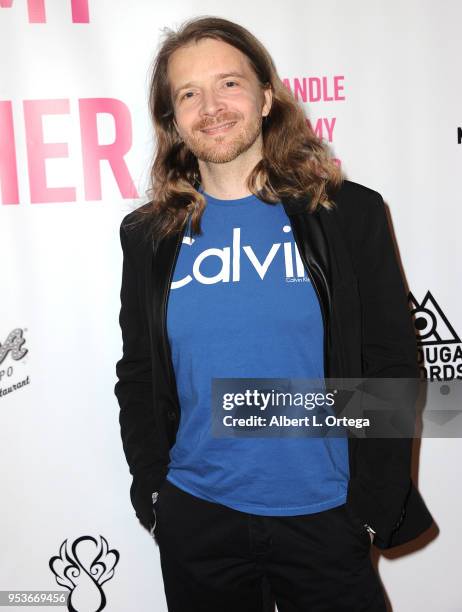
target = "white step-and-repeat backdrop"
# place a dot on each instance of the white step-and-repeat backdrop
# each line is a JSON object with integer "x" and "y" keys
{"x": 380, "y": 82}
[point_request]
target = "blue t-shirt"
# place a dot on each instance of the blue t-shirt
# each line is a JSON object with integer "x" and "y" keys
{"x": 241, "y": 305}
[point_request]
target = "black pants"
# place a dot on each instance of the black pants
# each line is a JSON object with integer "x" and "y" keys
{"x": 214, "y": 558}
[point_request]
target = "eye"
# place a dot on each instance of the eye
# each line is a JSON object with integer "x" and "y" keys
{"x": 187, "y": 94}
{"x": 230, "y": 83}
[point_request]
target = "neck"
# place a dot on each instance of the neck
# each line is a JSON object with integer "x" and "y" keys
{"x": 228, "y": 181}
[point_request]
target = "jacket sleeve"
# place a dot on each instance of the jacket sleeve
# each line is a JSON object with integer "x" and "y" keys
{"x": 134, "y": 392}
{"x": 382, "y": 480}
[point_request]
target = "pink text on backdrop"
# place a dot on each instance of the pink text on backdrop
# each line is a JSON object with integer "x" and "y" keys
{"x": 324, "y": 127}
{"x": 37, "y": 14}
{"x": 316, "y": 89}
{"x": 38, "y": 151}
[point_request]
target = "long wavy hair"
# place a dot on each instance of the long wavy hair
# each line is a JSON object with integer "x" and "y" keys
{"x": 295, "y": 162}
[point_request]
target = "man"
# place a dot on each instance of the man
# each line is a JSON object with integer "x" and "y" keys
{"x": 256, "y": 259}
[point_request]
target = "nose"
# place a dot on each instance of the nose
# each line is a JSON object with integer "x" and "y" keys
{"x": 212, "y": 103}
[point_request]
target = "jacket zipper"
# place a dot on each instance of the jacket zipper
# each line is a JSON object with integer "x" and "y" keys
{"x": 155, "y": 495}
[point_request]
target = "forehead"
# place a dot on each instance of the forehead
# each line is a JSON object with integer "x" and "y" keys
{"x": 204, "y": 59}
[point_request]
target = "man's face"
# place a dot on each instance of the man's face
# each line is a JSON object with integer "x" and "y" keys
{"x": 217, "y": 100}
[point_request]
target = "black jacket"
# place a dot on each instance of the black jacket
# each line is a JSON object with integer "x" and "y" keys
{"x": 349, "y": 255}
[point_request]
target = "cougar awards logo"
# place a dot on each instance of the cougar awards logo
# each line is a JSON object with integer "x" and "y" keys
{"x": 13, "y": 347}
{"x": 439, "y": 345}
{"x": 83, "y": 570}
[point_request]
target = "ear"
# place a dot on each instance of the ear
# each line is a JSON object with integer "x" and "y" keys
{"x": 268, "y": 100}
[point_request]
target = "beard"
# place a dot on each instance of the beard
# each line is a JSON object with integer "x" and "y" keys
{"x": 223, "y": 148}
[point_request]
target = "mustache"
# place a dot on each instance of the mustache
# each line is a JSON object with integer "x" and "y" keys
{"x": 210, "y": 123}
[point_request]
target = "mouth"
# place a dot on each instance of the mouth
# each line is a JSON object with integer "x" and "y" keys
{"x": 219, "y": 129}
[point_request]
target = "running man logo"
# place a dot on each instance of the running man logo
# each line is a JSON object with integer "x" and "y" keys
{"x": 439, "y": 346}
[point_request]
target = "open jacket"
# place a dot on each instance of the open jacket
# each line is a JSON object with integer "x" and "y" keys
{"x": 368, "y": 332}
